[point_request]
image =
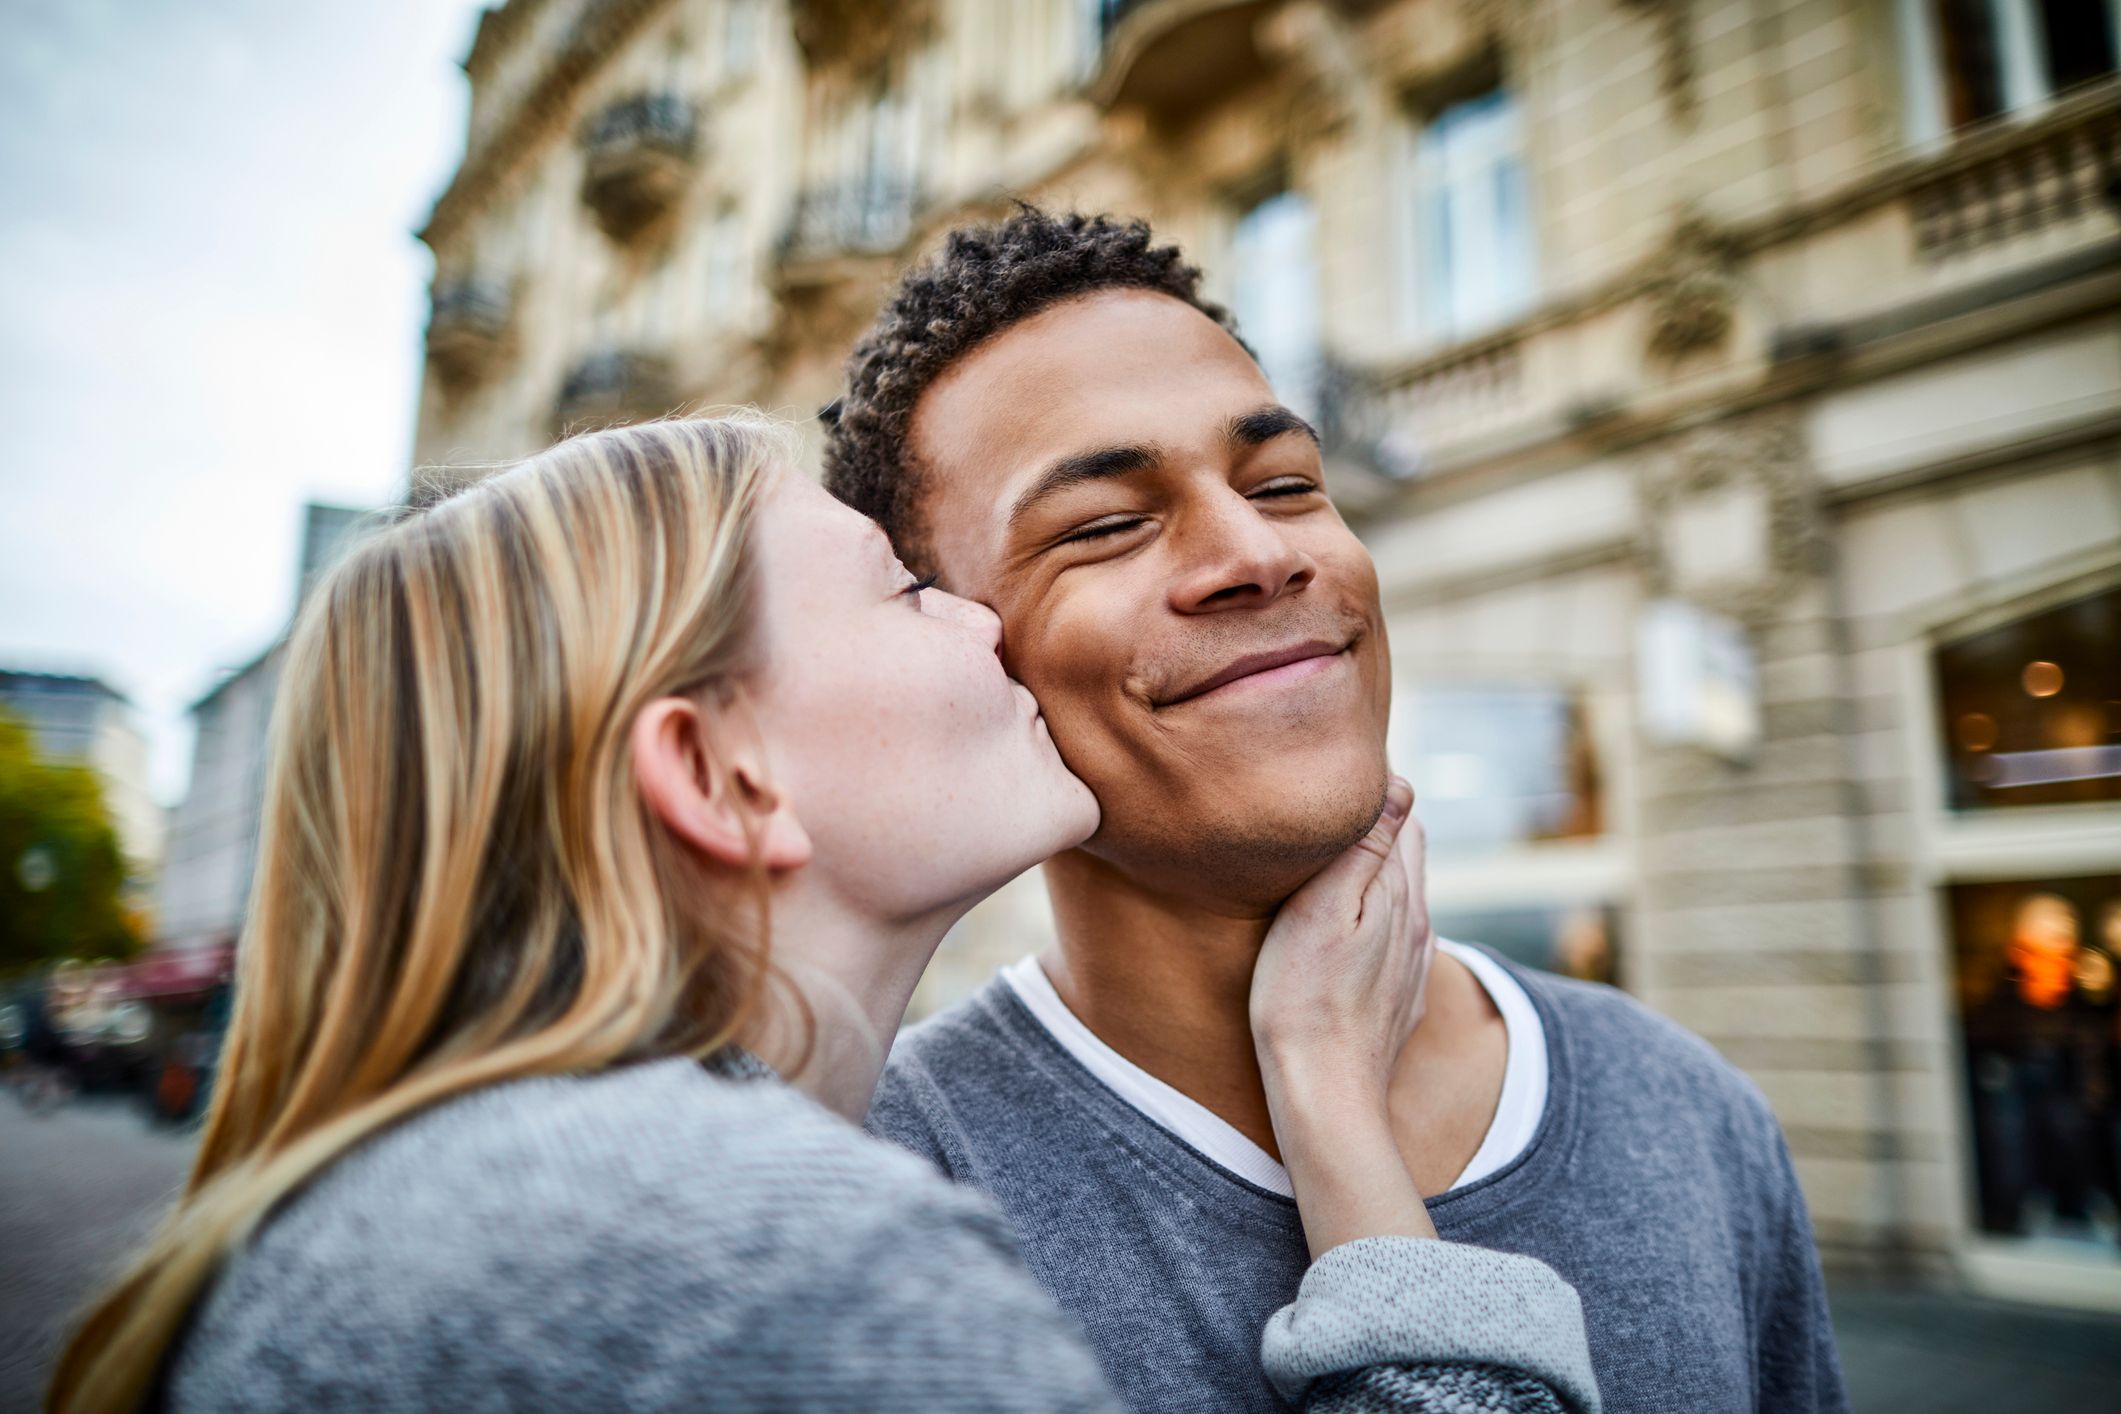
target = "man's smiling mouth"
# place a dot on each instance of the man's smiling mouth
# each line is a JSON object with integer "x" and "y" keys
{"x": 1288, "y": 664}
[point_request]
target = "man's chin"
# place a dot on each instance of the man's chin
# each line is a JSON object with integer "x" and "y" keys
{"x": 1259, "y": 843}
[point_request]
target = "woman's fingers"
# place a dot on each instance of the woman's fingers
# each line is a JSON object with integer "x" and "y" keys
{"x": 1349, "y": 877}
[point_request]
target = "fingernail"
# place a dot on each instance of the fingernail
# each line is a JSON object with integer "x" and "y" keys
{"x": 1399, "y": 797}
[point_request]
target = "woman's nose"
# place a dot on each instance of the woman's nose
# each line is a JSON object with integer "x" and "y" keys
{"x": 973, "y": 615}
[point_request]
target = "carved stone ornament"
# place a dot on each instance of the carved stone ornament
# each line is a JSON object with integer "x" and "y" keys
{"x": 858, "y": 35}
{"x": 1693, "y": 289}
{"x": 1675, "y": 42}
{"x": 1512, "y": 22}
{"x": 1732, "y": 514}
{"x": 1314, "y": 42}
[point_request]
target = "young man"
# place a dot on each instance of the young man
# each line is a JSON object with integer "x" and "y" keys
{"x": 1051, "y": 419}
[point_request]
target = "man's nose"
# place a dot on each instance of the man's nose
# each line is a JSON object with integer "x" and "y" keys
{"x": 1235, "y": 557}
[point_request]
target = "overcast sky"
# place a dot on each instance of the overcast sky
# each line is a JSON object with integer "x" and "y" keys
{"x": 211, "y": 306}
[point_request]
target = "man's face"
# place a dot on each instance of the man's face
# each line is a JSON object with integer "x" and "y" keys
{"x": 1116, "y": 479}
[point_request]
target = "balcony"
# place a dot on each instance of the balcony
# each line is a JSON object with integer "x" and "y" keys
{"x": 471, "y": 330}
{"x": 1171, "y": 57}
{"x": 1400, "y": 423}
{"x": 2017, "y": 180}
{"x": 640, "y": 153}
{"x": 613, "y": 387}
{"x": 867, "y": 217}
{"x": 860, "y": 36}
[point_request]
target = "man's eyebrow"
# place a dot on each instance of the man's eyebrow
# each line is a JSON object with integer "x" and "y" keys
{"x": 1101, "y": 465}
{"x": 1263, "y": 425}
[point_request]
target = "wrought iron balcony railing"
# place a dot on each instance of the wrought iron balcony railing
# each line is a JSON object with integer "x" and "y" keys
{"x": 611, "y": 387}
{"x": 640, "y": 153}
{"x": 866, "y": 216}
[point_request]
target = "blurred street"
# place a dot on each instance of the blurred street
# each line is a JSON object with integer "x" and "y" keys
{"x": 79, "y": 1184}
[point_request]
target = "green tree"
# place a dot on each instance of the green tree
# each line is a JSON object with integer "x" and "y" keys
{"x": 62, "y": 875}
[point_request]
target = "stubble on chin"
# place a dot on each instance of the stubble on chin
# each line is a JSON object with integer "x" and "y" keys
{"x": 1249, "y": 849}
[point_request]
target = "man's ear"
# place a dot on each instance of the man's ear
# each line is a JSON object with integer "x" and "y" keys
{"x": 702, "y": 772}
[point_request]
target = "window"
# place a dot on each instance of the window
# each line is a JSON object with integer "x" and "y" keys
{"x": 1472, "y": 227}
{"x": 2032, "y": 710}
{"x": 1507, "y": 785}
{"x": 1497, "y": 766}
{"x": 2025, "y": 840}
{"x": 727, "y": 270}
{"x": 1967, "y": 61}
{"x": 1274, "y": 294}
{"x": 1576, "y": 940}
{"x": 1087, "y": 20}
{"x": 740, "y": 37}
{"x": 2036, "y": 965}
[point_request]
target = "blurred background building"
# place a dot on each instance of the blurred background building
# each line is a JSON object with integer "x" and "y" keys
{"x": 1729, "y": 390}
{"x": 213, "y": 839}
{"x": 203, "y": 892}
{"x": 82, "y": 719}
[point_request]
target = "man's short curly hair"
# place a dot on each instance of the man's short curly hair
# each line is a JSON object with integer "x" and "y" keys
{"x": 986, "y": 279}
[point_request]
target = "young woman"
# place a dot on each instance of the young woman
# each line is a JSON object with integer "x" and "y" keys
{"x": 501, "y": 1121}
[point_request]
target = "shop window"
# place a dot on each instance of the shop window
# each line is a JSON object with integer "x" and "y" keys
{"x": 1472, "y": 228}
{"x": 1496, "y": 766}
{"x": 2036, "y": 963}
{"x": 1576, "y": 940}
{"x": 2032, "y": 710}
{"x": 1274, "y": 294}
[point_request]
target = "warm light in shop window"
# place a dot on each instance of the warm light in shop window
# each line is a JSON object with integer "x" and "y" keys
{"x": 2042, "y": 678}
{"x": 1977, "y": 731}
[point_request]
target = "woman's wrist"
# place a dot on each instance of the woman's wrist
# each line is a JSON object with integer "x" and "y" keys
{"x": 1334, "y": 1127}
{"x": 1351, "y": 1182}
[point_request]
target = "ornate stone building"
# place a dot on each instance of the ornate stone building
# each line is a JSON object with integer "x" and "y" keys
{"x": 1730, "y": 391}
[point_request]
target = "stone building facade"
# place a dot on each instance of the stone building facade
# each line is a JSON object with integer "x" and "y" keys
{"x": 1729, "y": 390}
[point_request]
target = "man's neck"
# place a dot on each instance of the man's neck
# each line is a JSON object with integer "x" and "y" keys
{"x": 1166, "y": 982}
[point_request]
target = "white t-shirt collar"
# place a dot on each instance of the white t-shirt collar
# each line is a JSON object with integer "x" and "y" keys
{"x": 1517, "y": 1111}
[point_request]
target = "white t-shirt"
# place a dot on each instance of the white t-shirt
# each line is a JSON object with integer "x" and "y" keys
{"x": 1517, "y": 1111}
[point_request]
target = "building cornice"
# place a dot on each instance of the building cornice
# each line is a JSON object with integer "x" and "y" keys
{"x": 498, "y": 28}
{"x": 604, "y": 26}
{"x": 2080, "y": 289}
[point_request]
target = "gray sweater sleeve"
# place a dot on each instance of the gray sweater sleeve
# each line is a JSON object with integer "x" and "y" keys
{"x": 1416, "y": 1324}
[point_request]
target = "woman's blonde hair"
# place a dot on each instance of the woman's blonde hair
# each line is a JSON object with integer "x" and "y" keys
{"x": 457, "y": 883}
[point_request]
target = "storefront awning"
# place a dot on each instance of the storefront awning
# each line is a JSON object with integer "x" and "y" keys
{"x": 169, "y": 974}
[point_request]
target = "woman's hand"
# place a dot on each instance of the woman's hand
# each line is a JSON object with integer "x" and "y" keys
{"x": 1338, "y": 988}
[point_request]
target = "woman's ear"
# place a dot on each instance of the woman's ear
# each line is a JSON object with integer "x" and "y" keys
{"x": 704, "y": 776}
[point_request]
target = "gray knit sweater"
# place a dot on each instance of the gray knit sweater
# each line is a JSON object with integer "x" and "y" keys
{"x": 666, "y": 1237}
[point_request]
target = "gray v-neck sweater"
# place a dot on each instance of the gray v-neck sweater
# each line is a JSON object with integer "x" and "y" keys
{"x": 669, "y": 1237}
{"x": 1657, "y": 1183}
